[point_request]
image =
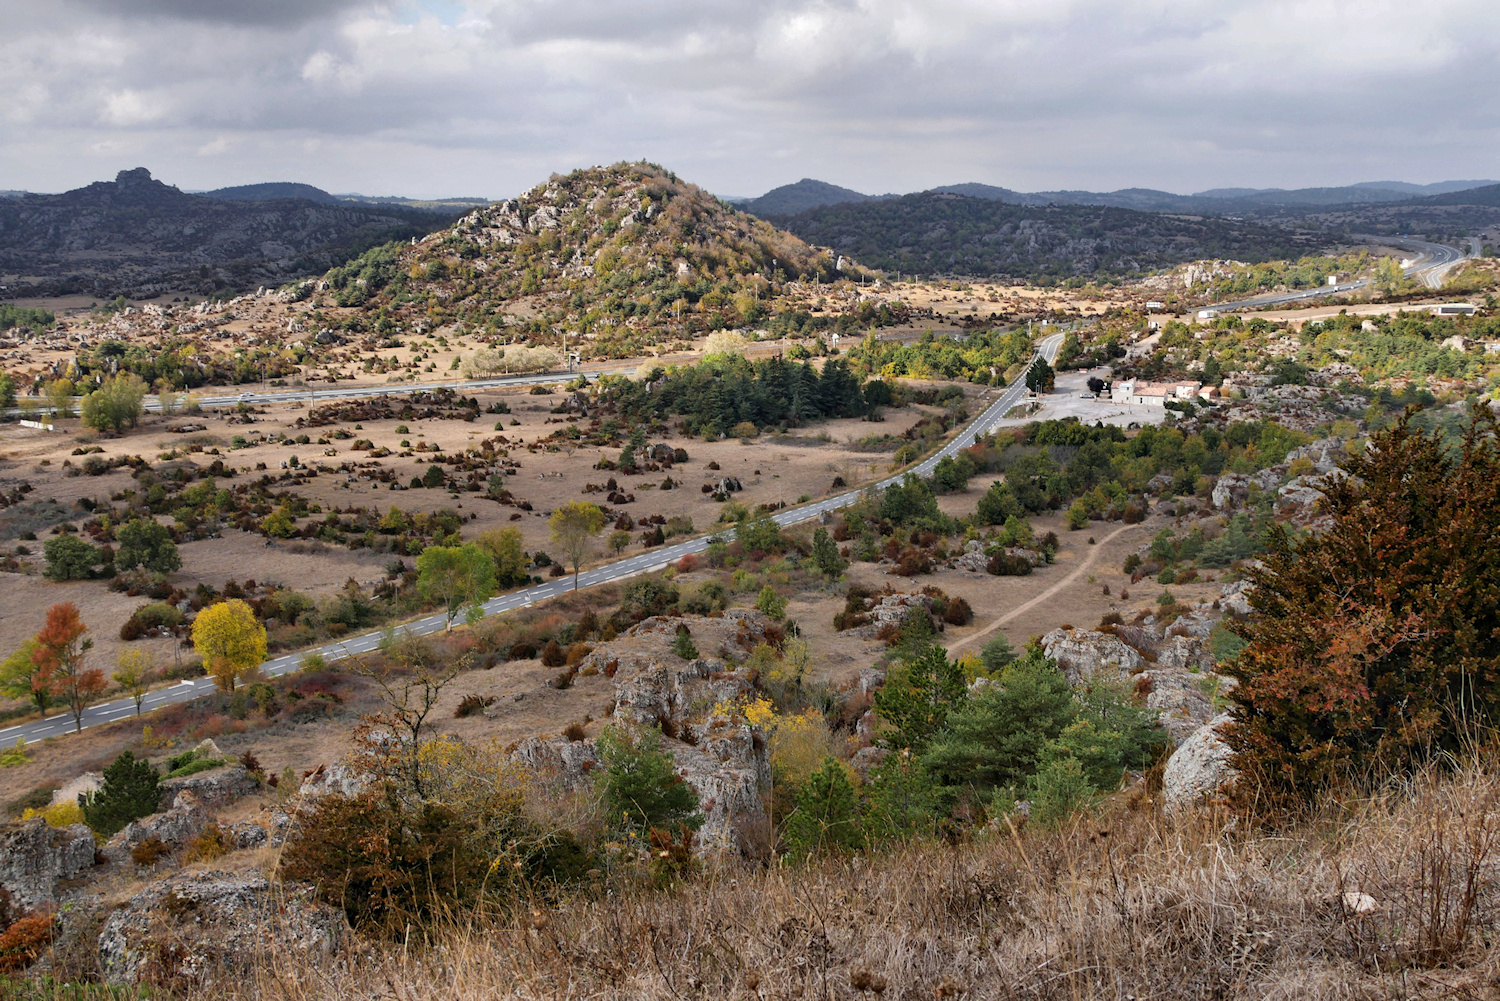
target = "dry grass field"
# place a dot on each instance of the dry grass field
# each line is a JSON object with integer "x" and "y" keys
{"x": 1389, "y": 897}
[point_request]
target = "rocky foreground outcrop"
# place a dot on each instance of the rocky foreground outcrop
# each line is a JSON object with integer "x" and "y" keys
{"x": 179, "y": 928}
{"x": 1170, "y": 665}
{"x": 725, "y": 762}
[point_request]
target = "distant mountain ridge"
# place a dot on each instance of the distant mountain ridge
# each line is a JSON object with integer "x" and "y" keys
{"x": 945, "y": 233}
{"x": 138, "y": 237}
{"x": 808, "y": 194}
{"x": 276, "y": 190}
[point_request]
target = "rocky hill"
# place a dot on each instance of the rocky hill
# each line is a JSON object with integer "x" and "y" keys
{"x": 138, "y": 237}
{"x": 937, "y": 234}
{"x": 621, "y": 254}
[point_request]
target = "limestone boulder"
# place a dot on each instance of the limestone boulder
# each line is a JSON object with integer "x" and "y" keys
{"x": 1198, "y": 622}
{"x": 35, "y": 858}
{"x": 1138, "y": 636}
{"x": 1199, "y": 768}
{"x": 1268, "y": 478}
{"x": 564, "y": 762}
{"x": 194, "y": 928}
{"x": 1159, "y": 484}
{"x": 1324, "y": 454}
{"x": 1300, "y": 500}
{"x": 1083, "y": 654}
{"x": 867, "y": 759}
{"x": 338, "y": 779}
{"x": 1184, "y": 653}
{"x": 83, "y": 785}
{"x": 1182, "y": 700}
{"x": 1231, "y": 491}
{"x": 1235, "y": 598}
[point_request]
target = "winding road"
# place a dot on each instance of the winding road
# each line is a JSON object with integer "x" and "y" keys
{"x": 656, "y": 559}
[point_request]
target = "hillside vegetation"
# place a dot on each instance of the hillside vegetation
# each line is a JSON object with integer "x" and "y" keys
{"x": 952, "y": 234}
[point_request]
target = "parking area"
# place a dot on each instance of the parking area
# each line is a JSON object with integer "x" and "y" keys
{"x": 1071, "y": 398}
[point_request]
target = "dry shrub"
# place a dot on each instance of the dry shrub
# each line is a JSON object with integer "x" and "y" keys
{"x": 958, "y": 612}
{"x": 553, "y": 655}
{"x": 574, "y": 732}
{"x": 1121, "y": 903}
{"x": 212, "y": 842}
{"x": 472, "y": 705}
{"x": 149, "y": 852}
{"x": 576, "y": 652}
{"x": 24, "y": 941}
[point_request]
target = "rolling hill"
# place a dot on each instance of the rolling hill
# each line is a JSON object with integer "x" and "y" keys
{"x": 138, "y": 237}
{"x": 789, "y": 199}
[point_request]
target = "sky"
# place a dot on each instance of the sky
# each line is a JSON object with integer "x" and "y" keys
{"x": 433, "y": 98}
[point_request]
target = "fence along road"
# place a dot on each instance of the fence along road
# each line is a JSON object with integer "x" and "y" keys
{"x": 185, "y": 691}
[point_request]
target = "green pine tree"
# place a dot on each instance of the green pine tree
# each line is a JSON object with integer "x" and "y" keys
{"x": 917, "y": 697}
{"x": 127, "y": 793}
{"x": 825, "y": 555}
{"x": 827, "y": 817}
{"x": 683, "y": 645}
{"x": 640, "y": 785}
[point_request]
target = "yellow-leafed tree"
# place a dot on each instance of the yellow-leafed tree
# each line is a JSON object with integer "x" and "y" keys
{"x": 230, "y": 640}
{"x": 573, "y": 527}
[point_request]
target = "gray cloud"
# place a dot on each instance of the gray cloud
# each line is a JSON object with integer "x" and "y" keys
{"x": 487, "y": 96}
{"x": 235, "y": 12}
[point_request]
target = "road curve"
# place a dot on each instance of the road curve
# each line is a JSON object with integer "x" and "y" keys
{"x": 1431, "y": 263}
{"x": 656, "y": 559}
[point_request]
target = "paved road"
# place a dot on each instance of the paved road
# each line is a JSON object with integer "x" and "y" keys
{"x": 1431, "y": 263}
{"x": 110, "y": 712}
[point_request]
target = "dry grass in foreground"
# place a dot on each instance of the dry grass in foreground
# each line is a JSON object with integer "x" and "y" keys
{"x": 1128, "y": 904}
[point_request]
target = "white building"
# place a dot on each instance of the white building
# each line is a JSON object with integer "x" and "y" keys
{"x": 1156, "y": 394}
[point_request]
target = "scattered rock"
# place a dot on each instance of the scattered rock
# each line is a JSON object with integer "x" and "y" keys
{"x": 174, "y": 827}
{"x": 189, "y": 926}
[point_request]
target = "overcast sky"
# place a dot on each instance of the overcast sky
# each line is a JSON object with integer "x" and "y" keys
{"x": 486, "y": 97}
